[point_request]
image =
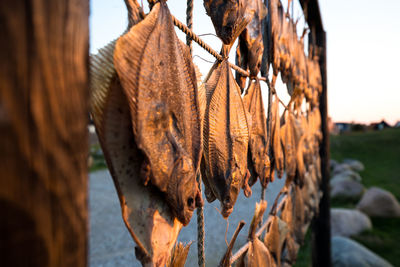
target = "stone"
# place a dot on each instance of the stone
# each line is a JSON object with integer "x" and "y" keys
{"x": 347, "y": 175}
{"x": 333, "y": 163}
{"x": 377, "y": 202}
{"x": 339, "y": 168}
{"x": 349, "y": 222}
{"x": 348, "y": 253}
{"x": 347, "y": 189}
{"x": 354, "y": 164}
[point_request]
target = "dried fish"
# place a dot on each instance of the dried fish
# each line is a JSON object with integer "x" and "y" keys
{"x": 148, "y": 218}
{"x": 229, "y": 17}
{"x": 289, "y": 146}
{"x": 179, "y": 255}
{"x": 278, "y": 157}
{"x": 275, "y": 237}
{"x": 299, "y": 218}
{"x": 283, "y": 43}
{"x": 257, "y": 254}
{"x": 226, "y": 259}
{"x": 272, "y": 29}
{"x": 226, "y": 138}
{"x": 290, "y": 246}
{"x": 258, "y": 133}
{"x": 159, "y": 80}
{"x": 289, "y": 252}
{"x": 250, "y": 44}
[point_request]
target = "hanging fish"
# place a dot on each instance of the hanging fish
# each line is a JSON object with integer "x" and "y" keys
{"x": 271, "y": 29}
{"x": 278, "y": 157}
{"x": 147, "y": 216}
{"x": 229, "y": 17}
{"x": 250, "y": 46}
{"x": 257, "y": 255}
{"x": 226, "y": 259}
{"x": 290, "y": 249}
{"x": 226, "y": 138}
{"x": 258, "y": 148}
{"x": 289, "y": 146}
{"x": 275, "y": 237}
{"x": 299, "y": 215}
{"x": 179, "y": 255}
{"x": 159, "y": 80}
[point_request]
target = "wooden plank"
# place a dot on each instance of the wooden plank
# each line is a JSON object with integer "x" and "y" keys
{"x": 321, "y": 237}
{"x": 312, "y": 14}
{"x": 43, "y": 132}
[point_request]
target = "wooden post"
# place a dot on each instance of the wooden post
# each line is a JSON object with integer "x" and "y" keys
{"x": 43, "y": 132}
{"x": 321, "y": 236}
{"x": 321, "y": 225}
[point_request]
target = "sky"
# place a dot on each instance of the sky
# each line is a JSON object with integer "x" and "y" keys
{"x": 363, "y": 51}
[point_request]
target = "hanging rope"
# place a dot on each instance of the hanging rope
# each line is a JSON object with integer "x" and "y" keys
{"x": 200, "y": 211}
{"x": 201, "y": 257}
{"x": 189, "y": 33}
{"x": 189, "y": 22}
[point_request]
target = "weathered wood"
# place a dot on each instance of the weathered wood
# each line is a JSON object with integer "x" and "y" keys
{"x": 321, "y": 237}
{"x": 43, "y": 134}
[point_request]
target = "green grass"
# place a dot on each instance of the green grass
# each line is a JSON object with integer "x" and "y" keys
{"x": 383, "y": 239}
{"x": 380, "y": 153}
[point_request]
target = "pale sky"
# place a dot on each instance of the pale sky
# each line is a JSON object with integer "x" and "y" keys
{"x": 363, "y": 51}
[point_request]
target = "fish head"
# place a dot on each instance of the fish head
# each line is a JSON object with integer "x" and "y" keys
{"x": 266, "y": 168}
{"x": 255, "y": 55}
{"x": 226, "y": 16}
{"x": 183, "y": 192}
{"x": 231, "y": 189}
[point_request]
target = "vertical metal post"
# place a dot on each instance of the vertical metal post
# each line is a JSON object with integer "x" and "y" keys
{"x": 321, "y": 236}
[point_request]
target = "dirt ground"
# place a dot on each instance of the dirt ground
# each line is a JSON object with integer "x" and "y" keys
{"x": 111, "y": 244}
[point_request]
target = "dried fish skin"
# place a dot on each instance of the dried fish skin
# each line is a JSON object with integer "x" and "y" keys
{"x": 228, "y": 17}
{"x": 241, "y": 59}
{"x": 258, "y": 146}
{"x": 289, "y": 146}
{"x": 278, "y": 157}
{"x": 179, "y": 255}
{"x": 275, "y": 238}
{"x": 250, "y": 47}
{"x": 299, "y": 215}
{"x": 289, "y": 253}
{"x": 272, "y": 25}
{"x": 159, "y": 80}
{"x": 226, "y": 137}
{"x": 257, "y": 254}
{"x": 147, "y": 216}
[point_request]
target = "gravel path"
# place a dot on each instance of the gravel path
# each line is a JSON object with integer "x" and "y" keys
{"x": 111, "y": 245}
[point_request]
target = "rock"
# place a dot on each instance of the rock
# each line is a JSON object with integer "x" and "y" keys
{"x": 379, "y": 203}
{"x": 347, "y": 189}
{"x": 339, "y": 168}
{"x": 347, "y": 175}
{"x": 348, "y": 253}
{"x": 354, "y": 164}
{"x": 348, "y": 222}
{"x": 333, "y": 163}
